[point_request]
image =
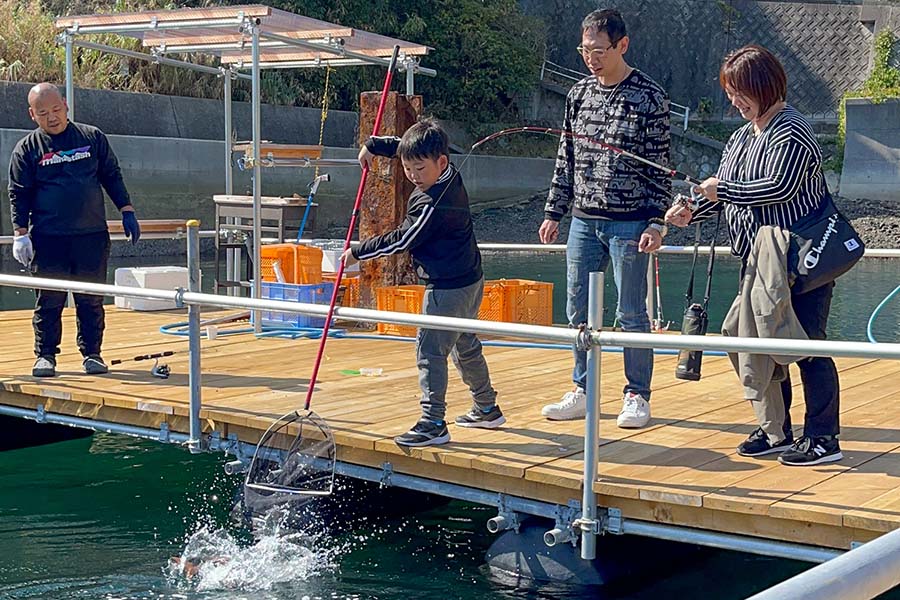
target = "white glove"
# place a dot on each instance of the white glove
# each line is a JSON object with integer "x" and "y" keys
{"x": 23, "y": 251}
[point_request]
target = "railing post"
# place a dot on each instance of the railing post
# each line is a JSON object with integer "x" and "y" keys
{"x": 193, "y": 263}
{"x": 588, "y": 522}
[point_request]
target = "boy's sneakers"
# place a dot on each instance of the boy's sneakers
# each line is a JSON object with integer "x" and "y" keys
{"x": 94, "y": 365}
{"x": 476, "y": 417}
{"x": 573, "y": 405}
{"x": 424, "y": 433}
{"x": 635, "y": 412}
{"x": 808, "y": 451}
{"x": 758, "y": 444}
{"x": 44, "y": 366}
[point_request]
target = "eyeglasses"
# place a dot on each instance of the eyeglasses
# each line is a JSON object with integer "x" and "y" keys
{"x": 594, "y": 53}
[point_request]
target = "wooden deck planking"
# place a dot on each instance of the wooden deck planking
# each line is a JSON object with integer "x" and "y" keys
{"x": 683, "y": 468}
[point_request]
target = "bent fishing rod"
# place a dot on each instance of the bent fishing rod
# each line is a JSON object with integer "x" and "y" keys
{"x": 673, "y": 173}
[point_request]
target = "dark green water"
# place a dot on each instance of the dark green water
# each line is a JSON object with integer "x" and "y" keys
{"x": 100, "y": 517}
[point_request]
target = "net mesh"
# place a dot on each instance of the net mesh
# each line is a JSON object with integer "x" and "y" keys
{"x": 293, "y": 463}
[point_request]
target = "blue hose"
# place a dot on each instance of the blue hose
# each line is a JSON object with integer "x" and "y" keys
{"x": 874, "y": 315}
{"x": 313, "y": 333}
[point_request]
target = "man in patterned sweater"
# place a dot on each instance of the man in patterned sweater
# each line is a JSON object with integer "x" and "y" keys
{"x": 617, "y": 204}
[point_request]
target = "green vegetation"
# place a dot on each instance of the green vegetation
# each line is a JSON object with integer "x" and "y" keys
{"x": 883, "y": 83}
{"x": 487, "y": 54}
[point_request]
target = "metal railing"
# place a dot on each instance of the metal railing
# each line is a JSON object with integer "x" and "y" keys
{"x": 566, "y": 77}
{"x": 592, "y": 339}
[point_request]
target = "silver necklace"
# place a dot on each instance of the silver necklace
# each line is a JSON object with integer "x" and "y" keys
{"x": 608, "y": 97}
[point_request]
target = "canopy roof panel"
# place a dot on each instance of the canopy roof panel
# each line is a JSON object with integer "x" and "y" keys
{"x": 284, "y": 37}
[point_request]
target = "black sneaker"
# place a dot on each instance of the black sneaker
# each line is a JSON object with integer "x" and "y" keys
{"x": 94, "y": 365}
{"x": 424, "y": 433}
{"x": 758, "y": 444}
{"x": 476, "y": 417}
{"x": 44, "y": 366}
{"x": 808, "y": 451}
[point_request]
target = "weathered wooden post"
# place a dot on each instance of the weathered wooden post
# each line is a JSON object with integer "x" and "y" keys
{"x": 387, "y": 189}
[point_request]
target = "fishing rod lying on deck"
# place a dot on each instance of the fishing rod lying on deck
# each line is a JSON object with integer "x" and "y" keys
{"x": 157, "y": 370}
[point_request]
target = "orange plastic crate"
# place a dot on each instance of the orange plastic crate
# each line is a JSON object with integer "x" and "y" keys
{"x": 300, "y": 264}
{"x": 349, "y": 286}
{"x": 399, "y": 298}
{"x": 518, "y": 301}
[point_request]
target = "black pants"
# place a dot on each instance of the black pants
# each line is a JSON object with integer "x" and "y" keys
{"x": 77, "y": 257}
{"x": 821, "y": 388}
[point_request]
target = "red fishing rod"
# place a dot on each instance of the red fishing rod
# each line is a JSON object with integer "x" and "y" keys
{"x": 353, "y": 216}
{"x": 673, "y": 173}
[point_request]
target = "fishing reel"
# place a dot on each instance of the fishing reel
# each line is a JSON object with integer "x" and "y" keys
{"x": 161, "y": 371}
{"x": 692, "y": 202}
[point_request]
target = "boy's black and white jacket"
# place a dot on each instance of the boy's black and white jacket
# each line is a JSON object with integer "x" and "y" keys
{"x": 437, "y": 229}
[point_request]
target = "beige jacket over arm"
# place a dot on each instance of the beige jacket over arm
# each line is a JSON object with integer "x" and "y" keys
{"x": 763, "y": 309}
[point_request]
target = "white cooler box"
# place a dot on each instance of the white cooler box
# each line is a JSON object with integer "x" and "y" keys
{"x": 157, "y": 278}
{"x": 331, "y": 261}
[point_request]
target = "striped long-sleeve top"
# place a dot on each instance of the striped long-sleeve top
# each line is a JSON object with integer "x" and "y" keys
{"x": 596, "y": 183}
{"x": 773, "y": 178}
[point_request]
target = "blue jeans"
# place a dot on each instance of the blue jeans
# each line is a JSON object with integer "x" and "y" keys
{"x": 591, "y": 245}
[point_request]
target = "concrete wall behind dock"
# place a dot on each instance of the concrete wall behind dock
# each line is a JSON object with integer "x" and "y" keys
{"x": 172, "y": 178}
{"x": 872, "y": 150}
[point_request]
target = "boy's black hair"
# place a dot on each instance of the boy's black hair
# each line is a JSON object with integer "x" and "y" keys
{"x": 609, "y": 21}
{"x": 425, "y": 139}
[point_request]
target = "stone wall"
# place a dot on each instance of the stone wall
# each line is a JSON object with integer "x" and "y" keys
{"x": 826, "y": 47}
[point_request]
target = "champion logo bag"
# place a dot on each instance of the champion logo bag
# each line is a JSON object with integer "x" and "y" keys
{"x": 824, "y": 246}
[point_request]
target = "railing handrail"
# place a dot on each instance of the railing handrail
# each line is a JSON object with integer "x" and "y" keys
{"x": 860, "y": 574}
{"x": 501, "y": 247}
{"x": 533, "y": 332}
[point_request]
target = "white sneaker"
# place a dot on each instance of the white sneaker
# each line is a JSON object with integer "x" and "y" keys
{"x": 573, "y": 405}
{"x": 635, "y": 412}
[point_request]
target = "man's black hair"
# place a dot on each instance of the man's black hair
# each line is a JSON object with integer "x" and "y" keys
{"x": 607, "y": 20}
{"x": 425, "y": 139}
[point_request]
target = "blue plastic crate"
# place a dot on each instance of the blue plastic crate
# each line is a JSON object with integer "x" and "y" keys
{"x": 313, "y": 293}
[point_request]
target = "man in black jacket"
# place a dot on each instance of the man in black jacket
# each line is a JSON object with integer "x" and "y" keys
{"x": 437, "y": 231}
{"x": 57, "y": 174}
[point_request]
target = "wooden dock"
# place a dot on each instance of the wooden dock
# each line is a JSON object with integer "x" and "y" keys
{"x": 681, "y": 470}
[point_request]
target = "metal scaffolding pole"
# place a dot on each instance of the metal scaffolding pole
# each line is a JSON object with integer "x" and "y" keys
{"x": 410, "y": 76}
{"x": 231, "y": 255}
{"x": 257, "y": 174}
{"x": 70, "y": 75}
{"x": 152, "y": 58}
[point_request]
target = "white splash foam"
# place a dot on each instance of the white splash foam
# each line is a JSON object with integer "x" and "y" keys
{"x": 277, "y": 555}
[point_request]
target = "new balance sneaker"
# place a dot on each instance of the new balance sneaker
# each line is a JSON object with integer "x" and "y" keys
{"x": 808, "y": 451}
{"x": 477, "y": 417}
{"x": 424, "y": 433}
{"x": 758, "y": 444}
{"x": 635, "y": 412}
{"x": 44, "y": 366}
{"x": 573, "y": 405}
{"x": 94, "y": 365}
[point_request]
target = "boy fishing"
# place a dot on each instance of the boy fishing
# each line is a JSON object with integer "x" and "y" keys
{"x": 437, "y": 231}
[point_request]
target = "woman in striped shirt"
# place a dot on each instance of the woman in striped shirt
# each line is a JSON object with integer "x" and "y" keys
{"x": 771, "y": 174}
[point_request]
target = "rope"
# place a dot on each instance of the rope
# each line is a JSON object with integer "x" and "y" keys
{"x": 324, "y": 112}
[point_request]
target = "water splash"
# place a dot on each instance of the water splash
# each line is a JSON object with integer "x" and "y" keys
{"x": 214, "y": 559}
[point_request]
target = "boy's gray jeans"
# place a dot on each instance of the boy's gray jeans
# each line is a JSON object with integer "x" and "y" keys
{"x": 433, "y": 346}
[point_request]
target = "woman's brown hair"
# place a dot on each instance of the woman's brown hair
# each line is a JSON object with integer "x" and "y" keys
{"x": 755, "y": 72}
